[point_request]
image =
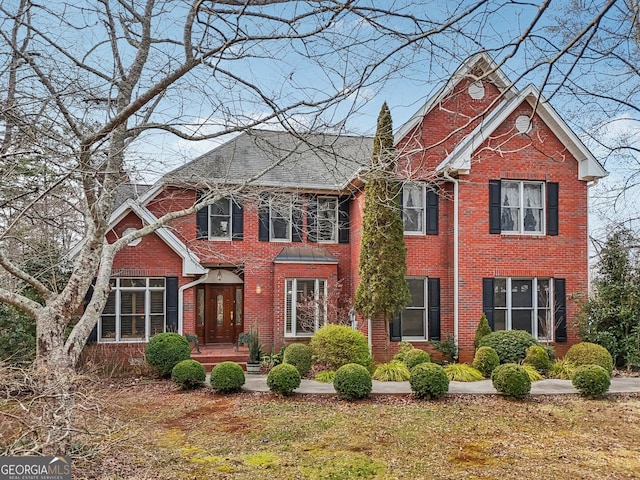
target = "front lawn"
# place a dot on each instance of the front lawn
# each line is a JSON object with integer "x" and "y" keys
{"x": 153, "y": 430}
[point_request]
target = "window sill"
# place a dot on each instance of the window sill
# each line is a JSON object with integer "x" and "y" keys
{"x": 220, "y": 239}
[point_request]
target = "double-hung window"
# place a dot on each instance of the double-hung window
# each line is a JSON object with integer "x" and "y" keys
{"x": 413, "y": 208}
{"x": 420, "y": 208}
{"x": 280, "y": 212}
{"x": 220, "y": 219}
{"x": 414, "y": 316}
{"x": 135, "y": 310}
{"x": 524, "y": 304}
{"x": 522, "y": 207}
{"x": 305, "y": 306}
{"x": 327, "y": 219}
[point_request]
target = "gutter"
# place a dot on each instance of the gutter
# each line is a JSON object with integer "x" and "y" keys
{"x": 181, "y": 297}
{"x": 456, "y": 266}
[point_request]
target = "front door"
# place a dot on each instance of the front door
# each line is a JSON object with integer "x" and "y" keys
{"x": 223, "y": 313}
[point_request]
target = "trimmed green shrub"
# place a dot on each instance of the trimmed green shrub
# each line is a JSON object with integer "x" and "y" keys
{"x": 461, "y": 372}
{"x": 482, "y": 331}
{"x": 416, "y": 357}
{"x": 485, "y": 360}
{"x": 299, "y": 355}
{"x": 394, "y": 371}
{"x": 189, "y": 374}
{"x": 585, "y": 353}
{"x": 352, "y": 382}
{"x": 325, "y": 377}
{"x": 510, "y": 345}
{"x": 561, "y": 369}
{"x": 591, "y": 380}
{"x": 429, "y": 381}
{"x": 227, "y": 377}
{"x": 403, "y": 348}
{"x": 338, "y": 345}
{"x": 283, "y": 379}
{"x": 511, "y": 380}
{"x": 165, "y": 350}
{"x": 538, "y": 358}
{"x": 534, "y": 374}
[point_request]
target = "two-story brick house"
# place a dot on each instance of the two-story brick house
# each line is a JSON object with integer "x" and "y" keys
{"x": 494, "y": 204}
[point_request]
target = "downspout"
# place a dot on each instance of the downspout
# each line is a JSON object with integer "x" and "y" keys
{"x": 456, "y": 235}
{"x": 181, "y": 297}
{"x": 590, "y": 184}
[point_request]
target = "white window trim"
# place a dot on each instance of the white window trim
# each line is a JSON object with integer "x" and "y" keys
{"x": 534, "y": 301}
{"x": 522, "y": 208}
{"x": 229, "y": 228}
{"x": 147, "y": 310}
{"x": 335, "y": 223}
{"x": 423, "y": 208}
{"x": 290, "y": 226}
{"x": 294, "y": 288}
{"x": 425, "y": 310}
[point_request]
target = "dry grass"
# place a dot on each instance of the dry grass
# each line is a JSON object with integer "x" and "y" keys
{"x": 159, "y": 432}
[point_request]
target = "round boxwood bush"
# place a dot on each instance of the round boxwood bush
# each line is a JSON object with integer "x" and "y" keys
{"x": 283, "y": 379}
{"x": 352, "y": 382}
{"x": 510, "y": 345}
{"x": 538, "y": 358}
{"x": 485, "y": 360}
{"x": 585, "y": 353}
{"x": 511, "y": 380}
{"x": 416, "y": 357}
{"x": 338, "y": 345}
{"x": 189, "y": 374}
{"x": 165, "y": 350}
{"x": 591, "y": 380}
{"x": 227, "y": 377}
{"x": 429, "y": 381}
{"x": 299, "y": 355}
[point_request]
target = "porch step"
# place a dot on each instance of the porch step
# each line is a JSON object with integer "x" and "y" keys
{"x": 210, "y": 356}
{"x": 208, "y": 366}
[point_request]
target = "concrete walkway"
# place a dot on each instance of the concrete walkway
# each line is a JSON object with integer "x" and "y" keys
{"x": 258, "y": 383}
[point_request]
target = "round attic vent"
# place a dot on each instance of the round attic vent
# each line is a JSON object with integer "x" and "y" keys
{"x": 476, "y": 90}
{"x": 523, "y": 124}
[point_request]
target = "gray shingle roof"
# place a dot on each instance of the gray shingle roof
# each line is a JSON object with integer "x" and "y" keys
{"x": 279, "y": 159}
{"x": 127, "y": 191}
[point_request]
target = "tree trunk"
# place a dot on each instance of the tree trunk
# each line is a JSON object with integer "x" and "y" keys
{"x": 55, "y": 380}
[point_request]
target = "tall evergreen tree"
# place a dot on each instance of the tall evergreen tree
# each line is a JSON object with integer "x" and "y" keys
{"x": 383, "y": 290}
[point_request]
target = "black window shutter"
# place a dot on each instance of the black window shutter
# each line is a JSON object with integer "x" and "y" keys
{"x": 433, "y": 297}
{"x": 93, "y": 336}
{"x": 237, "y": 221}
{"x": 395, "y": 328}
{"x": 263, "y": 219}
{"x": 343, "y": 219}
{"x": 202, "y": 220}
{"x": 487, "y": 300}
{"x": 560, "y": 304}
{"x": 432, "y": 212}
{"x": 552, "y": 208}
{"x": 296, "y": 221}
{"x": 312, "y": 218}
{"x": 495, "y": 206}
{"x": 171, "y": 303}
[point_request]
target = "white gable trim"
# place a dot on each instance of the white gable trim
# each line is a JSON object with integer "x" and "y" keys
{"x": 459, "y": 160}
{"x": 482, "y": 60}
{"x": 190, "y": 261}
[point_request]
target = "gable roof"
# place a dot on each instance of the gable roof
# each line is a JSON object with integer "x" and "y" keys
{"x": 459, "y": 160}
{"x": 279, "y": 159}
{"x": 190, "y": 261}
{"x": 480, "y": 61}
